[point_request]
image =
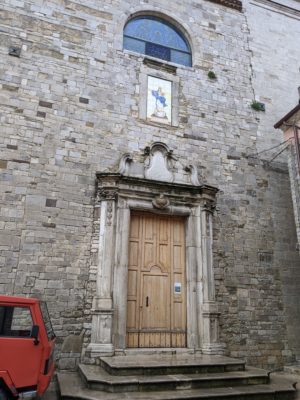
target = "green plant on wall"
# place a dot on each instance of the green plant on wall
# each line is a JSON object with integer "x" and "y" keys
{"x": 257, "y": 106}
{"x": 212, "y": 75}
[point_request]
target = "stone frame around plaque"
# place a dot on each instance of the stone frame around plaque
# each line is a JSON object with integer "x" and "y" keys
{"x": 171, "y": 97}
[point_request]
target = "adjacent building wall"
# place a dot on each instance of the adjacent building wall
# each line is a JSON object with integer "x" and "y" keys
{"x": 273, "y": 29}
{"x": 289, "y": 125}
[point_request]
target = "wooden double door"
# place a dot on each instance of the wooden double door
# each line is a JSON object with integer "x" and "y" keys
{"x": 156, "y": 299}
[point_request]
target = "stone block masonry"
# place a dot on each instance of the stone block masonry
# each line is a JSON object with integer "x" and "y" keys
{"x": 70, "y": 107}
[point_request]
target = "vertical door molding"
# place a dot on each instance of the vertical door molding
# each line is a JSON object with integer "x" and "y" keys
{"x": 194, "y": 278}
{"x": 102, "y": 307}
{"x": 121, "y": 273}
{"x": 209, "y": 310}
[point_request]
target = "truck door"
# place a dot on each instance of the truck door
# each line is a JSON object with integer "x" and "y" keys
{"x": 20, "y": 354}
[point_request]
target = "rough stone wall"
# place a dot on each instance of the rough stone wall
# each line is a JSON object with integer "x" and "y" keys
{"x": 273, "y": 27}
{"x": 257, "y": 286}
{"x": 275, "y": 78}
{"x": 70, "y": 108}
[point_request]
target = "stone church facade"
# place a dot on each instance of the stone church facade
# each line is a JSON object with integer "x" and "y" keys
{"x": 151, "y": 230}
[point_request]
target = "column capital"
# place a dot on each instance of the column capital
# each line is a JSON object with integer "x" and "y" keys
{"x": 107, "y": 193}
{"x": 208, "y": 205}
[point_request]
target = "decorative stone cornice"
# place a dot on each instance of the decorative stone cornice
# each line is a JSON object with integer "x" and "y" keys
{"x": 158, "y": 175}
{"x": 118, "y": 184}
{"x": 235, "y": 4}
{"x": 275, "y": 6}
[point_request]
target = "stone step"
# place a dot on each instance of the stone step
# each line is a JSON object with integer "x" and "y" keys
{"x": 293, "y": 369}
{"x": 72, "y": 388}
{"x": 97, "y": 378}
{"x": 170, "y": 364}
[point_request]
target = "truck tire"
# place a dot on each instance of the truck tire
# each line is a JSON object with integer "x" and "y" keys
{"x": 3, "y": 395}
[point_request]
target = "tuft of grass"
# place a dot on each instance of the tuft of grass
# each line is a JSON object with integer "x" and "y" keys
{"x": 257, "y": 106}
{"x": 212, "y": 75}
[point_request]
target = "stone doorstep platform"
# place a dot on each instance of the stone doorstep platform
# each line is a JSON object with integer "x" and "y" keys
{"x": 208, "y": 377}
{"x": 98, "y": 379}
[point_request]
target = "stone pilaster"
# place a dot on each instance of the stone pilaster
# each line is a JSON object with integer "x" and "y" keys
{"x": 209, "y": 310}
{"x": 102, "y": 311}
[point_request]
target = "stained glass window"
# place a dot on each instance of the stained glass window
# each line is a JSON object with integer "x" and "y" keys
{"x": 157, "y": 38}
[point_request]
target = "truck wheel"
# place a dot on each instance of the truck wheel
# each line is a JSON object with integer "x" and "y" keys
{"x": 3, "y": 395}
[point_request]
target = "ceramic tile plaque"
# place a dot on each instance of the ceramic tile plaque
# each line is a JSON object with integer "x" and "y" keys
{"x": 159, "y": 100}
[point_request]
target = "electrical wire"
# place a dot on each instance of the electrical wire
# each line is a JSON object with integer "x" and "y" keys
{"x": 271, "y": 148}
{"x": 276, "y": 155}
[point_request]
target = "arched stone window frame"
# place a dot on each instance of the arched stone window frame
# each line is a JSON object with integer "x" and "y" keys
{"x": 171, "y": 18}
{"x": 169, "y": 24}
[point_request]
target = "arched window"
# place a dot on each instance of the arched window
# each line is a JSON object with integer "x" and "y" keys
{"x": 157, "y": 38}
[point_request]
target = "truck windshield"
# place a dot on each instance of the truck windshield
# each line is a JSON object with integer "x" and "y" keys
{"x": 47, "y": 321}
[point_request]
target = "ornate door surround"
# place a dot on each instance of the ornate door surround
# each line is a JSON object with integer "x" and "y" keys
{"x": 159, "y": 184}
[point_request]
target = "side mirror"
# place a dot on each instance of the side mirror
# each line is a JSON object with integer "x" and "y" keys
{"x": 35, "y": 334}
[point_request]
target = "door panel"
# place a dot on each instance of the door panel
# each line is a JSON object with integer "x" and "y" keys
{"x": 156, "y": 304}
{"x": 18, "y": 354}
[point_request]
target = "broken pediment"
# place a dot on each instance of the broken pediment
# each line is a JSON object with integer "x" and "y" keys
{"x": 159, "y": 164}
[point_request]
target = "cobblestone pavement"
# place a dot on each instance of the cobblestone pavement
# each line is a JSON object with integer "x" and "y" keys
{"x": 51, "y": 393}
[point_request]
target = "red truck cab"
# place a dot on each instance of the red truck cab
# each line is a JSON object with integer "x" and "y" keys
{"x": 26, "y": 348}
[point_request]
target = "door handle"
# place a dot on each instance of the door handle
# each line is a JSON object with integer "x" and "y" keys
{"x": 147, "y": 301}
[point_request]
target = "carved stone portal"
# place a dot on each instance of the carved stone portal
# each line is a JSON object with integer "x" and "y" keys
{"x": 160, "y": 184}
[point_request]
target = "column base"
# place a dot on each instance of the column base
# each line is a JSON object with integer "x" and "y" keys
{"x": 100, "y": 349}
{"x": 213, "y": 349}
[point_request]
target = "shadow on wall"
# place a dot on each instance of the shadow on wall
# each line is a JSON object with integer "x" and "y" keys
{"x": 70, "y": 354}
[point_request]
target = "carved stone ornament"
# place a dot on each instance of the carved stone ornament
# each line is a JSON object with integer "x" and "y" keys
{"x": 209, "y": 206}
{"x": 124, "y": 164}
{"x": 161, "y": 202}
{"x": 159, "y": 168}
{"x": 107, "y": 194}
{"x": 109, "y": 213}
{"x": 194, "y": 174}
{"x": 159, "y": 164}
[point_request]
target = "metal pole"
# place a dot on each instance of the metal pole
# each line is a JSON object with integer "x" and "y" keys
{"x": 297, "y": 146}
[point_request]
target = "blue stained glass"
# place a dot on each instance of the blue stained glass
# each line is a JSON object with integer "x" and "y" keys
{"x": 157, "y": 51}
{"x": 157, "y": 38}
{"x": 179, "y": 57}
{"x": 134, "y": 45}
{"x": 156, "y": 31}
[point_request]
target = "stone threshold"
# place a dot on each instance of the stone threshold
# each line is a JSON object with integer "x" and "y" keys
{"x": 169, "y": 363}
{"x": 155, "y": 351}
